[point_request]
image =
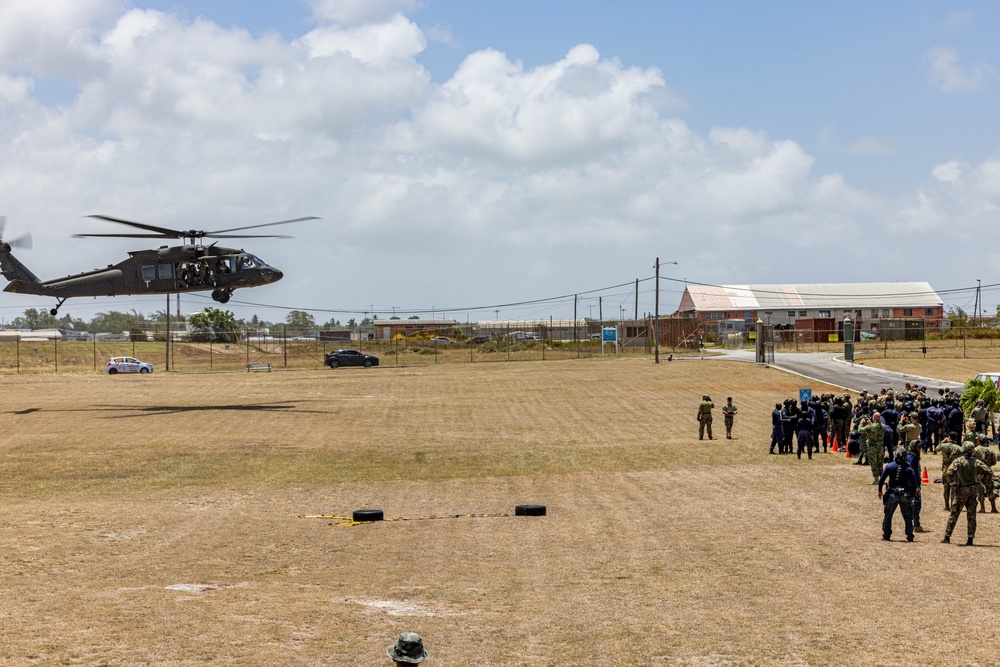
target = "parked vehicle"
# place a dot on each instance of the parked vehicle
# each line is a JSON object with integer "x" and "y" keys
{"x": 339, "y": 358}
{"x": 994, "y": 378}
{"x": 441, "y": 340}
{"x": 118, "y": 365}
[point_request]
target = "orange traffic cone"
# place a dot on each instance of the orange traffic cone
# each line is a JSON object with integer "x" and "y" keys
{"x": 924, "y": 479}
{"x": 835, "y": 446}
{"x": 847, "y": 452}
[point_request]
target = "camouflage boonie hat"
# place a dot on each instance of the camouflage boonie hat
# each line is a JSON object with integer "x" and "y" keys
{"x": 409, "y": 647}
{"x": 968, "y": 447}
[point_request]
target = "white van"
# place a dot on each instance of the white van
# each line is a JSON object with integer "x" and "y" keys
{"x": 992, "y": 377}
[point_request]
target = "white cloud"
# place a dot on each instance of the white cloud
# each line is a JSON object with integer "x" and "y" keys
{"x": 571, "y": 167}
{"x": 958, "y": 19}
{"x": 962, "y": 200}
{"x": 352, "y": 13}
{"x": 945, "y": 73}
{"x": 54, "y": 37}
{"x": 863, "y": 146}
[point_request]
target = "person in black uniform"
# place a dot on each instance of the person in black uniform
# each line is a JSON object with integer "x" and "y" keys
{"x": 805, "y": 430}
{"x": 789, "y": 416}
{"x": 777, "y": 433}
{"x": 902, "y": 488}
{"x": 820, "y": 419}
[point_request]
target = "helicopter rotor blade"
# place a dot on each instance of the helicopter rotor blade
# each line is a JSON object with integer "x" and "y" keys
{"x": 119, "y": 236}
{"x": 216, "y": 233}
{"x": 248, "y": 236}
{"x": 162, "y": 231}
{"x": 21, "y": 242}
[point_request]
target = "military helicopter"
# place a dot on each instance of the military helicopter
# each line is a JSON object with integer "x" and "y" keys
{"x": 192, "y": 267}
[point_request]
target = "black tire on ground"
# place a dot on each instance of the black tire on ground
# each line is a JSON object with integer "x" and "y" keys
{"x": 529, "y": 510}
{"x": 333, "y": 364}
{"x": 113, "y": 371}
{"x": 143, "y": 371}
{"x": 367, "y": 515}
{"x": 368, "y": 363}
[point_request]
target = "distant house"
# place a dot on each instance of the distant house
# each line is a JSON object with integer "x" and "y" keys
{"x": 810, "y": 306}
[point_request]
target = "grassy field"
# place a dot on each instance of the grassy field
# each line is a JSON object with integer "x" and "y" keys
{"x": 161, "y": 520}
{"x": 956, "y": 370}
{"x": 40, "y": 357}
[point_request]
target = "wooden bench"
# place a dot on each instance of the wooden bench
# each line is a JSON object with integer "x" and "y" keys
{"x": 259, "y": 366}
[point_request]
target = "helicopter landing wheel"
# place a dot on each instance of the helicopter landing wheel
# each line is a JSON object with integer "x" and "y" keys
{"x": 221, "y": 295}
{"x": 55, "y": 311}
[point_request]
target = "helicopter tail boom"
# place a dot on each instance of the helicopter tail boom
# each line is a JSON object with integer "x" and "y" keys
{"x": 21, "y": 278}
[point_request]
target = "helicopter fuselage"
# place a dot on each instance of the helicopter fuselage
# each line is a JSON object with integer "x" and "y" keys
{"x": 187, "y": 268}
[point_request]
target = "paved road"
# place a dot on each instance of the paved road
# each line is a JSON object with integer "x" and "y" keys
{"x": 820, "y": 366}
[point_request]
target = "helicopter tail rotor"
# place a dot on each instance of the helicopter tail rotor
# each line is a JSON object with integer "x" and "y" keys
{"x": 23, "y": 241}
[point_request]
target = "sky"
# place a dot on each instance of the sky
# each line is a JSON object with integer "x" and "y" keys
{"x": 481, "y": 160}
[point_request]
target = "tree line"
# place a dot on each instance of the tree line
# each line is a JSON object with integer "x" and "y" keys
{"x": 210, "y": 318}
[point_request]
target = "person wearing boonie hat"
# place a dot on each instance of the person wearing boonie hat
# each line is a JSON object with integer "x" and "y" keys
{"x": 408, "y": 649}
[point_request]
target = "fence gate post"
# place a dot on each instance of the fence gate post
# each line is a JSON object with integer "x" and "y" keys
{"x": 848, "y": 340}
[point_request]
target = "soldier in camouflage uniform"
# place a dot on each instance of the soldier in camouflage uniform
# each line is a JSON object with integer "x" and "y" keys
{"x": 728, "y": 412}
{"x": 965, "y": 475}
{"x": 909, "y": 429}
{"x": 979, "y": 417}
{"x": 873, "y": 439}
{"x": 705, "y": 417}
{"x": 983, "y": 452}
{"x": 949, "y": 451}
{"x": 408, "y": 649}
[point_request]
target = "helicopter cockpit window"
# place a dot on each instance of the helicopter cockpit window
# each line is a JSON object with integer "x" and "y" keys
{"x": 247, "y": 262}
{"x": 164, "y": 271}
{"x": 148, "y": 272}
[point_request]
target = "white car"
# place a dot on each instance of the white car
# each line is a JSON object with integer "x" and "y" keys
{"x": 118, "y": 365}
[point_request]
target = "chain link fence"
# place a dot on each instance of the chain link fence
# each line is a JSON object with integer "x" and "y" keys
{"x": 251, "y": 347}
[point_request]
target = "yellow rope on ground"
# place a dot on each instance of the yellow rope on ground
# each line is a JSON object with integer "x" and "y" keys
{"x": 349, "y": 521}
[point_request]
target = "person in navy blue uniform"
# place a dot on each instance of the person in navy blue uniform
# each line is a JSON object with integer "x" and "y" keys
{"x": 891, "y": 420}
{"x": 777, "y": 433}
{"x": 902, "y": 487}
{"x": 955, "y": 418}
{"x": 820, "y": 418}
{"x": 805, "y": 429}
{"x": 789, "y": 415}
{"x": 935, "y": 423}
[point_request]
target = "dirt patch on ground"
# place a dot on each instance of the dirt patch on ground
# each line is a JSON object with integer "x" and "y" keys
{"x": 162, "y": 521}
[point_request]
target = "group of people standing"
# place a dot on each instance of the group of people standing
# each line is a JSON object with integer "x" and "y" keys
{"x": 899, "y": 427}
{"x": 811, "y": 422}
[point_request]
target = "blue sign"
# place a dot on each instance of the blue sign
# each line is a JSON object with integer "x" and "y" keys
{"x": 609, "y": 335}
{"x": 805, "y": 395}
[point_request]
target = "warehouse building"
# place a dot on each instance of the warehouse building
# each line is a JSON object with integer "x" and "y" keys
{"x": 815, "y": 307}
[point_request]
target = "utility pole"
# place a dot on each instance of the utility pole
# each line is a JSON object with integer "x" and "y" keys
{"x": 656, "y": 318}
{"x": 979, "y": 303}
{"x": 636, "y": 299}
{"x": 166, "y": 363}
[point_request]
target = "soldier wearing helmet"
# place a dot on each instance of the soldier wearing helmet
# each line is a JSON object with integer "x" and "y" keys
{"x": 965, "y": 475}
{"x": 705, "y": 417}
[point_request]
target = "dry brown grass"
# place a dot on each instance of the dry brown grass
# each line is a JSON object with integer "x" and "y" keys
{"x": 956, "y": 370}
{"x": 158, "y": 521}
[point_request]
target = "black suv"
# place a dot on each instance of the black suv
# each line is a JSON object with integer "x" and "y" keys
{"x": 349, "y": 358}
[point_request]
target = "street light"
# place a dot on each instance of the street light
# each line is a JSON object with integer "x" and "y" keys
{"x": 656, "y": 321}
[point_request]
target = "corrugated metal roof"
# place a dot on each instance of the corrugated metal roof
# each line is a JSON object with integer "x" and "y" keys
{"x": 819, "y": 295}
